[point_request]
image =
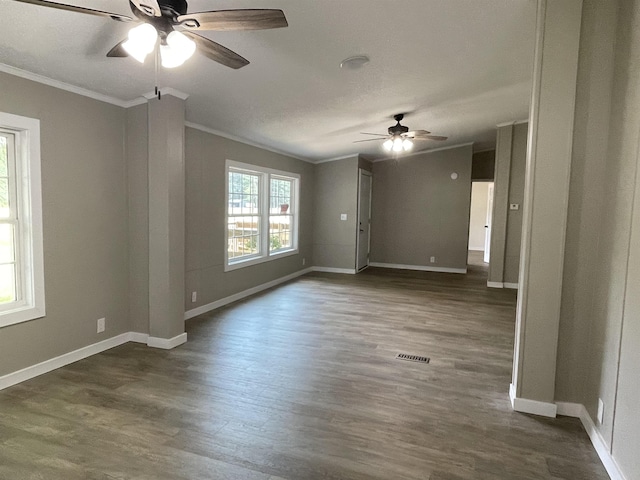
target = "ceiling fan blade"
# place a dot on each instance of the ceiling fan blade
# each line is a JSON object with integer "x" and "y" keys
{"x": 118, "y": 51}
{"x": 416, "y": 133}
{"x": 217, "y": 52}
{"x": 368, "y": 140}
{"x": 431, "y": 137}
{"x": 234, "y": 20}
{"x": 376, "y": 134}
{"x": 148, "y": 7}
{"x": 73, "y": 8}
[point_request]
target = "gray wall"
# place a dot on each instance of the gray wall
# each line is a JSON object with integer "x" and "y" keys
{"x": 137, "y": 150}
{"x": 418, "y": 211}
{"x": 506, "y": 231}
{"x": 205, "y": 156}
{"x": 600, "y": 317}
{"x": 336, "y": 192}
{"x": 612, "y": 259}
{"x": 84, "y": 200}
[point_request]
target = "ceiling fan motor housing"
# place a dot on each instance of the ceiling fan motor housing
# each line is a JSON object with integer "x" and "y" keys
{"x": 178, "y": 7}
{"x": 170, "y": 9}
{"x": 398, "y": 129}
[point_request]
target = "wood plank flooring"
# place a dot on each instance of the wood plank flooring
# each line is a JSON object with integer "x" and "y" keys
{"x": 301, "y": 383}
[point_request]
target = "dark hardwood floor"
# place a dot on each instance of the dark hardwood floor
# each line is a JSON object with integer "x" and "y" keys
{"x": 301, "y": 382}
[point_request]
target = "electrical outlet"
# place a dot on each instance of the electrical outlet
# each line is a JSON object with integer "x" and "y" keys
{"x": 432, "y": 259}
{"x": 101, "y": 324}
{"x": 343, "y": 216}
{"x": 194, "y": 297}
{"x": 514, "y": 206}
{"x": 600, "y": 411}
{"x": 304, "y": 262}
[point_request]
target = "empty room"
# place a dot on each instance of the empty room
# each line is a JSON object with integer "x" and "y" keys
{"x": 339, "y": 240}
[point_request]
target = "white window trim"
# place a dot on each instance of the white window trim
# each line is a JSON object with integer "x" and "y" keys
{"x": 29, "y": 189}
{"x": 264, "y": 208}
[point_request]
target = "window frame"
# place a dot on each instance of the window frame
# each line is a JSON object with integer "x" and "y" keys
{"x": 264, "y": 197}
{"x": 27, "y": 194}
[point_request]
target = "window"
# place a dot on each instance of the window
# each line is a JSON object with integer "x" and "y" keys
{"x": 262, "y": 214}
{"x": 21, "y": 264}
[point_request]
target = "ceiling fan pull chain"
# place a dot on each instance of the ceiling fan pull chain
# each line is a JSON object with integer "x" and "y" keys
{"x": 157, "y": 54}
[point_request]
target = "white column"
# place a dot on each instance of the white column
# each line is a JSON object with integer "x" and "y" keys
{"x": 545, "y": 206}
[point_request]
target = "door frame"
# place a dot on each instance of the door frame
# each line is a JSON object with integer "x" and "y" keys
{"x": 362, "y": 172}
{"x": 488, "y": 225}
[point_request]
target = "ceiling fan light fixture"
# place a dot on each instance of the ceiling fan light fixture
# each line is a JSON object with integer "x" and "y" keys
{"x": 407, "y": 144}
{"x": 141, "y": 42}
{"x": 397, "y": 144}
{"x": 179, "y": 49}
{"x": 388, "y": 145}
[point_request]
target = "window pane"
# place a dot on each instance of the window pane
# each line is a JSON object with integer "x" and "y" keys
{"x": 7, "y": 283}
{"x": 280, "y": 196}
{"x": 243, "y": 236}
{"x": 6, "y": 243}
{"x": 3, "y": 156}
{"x": 4, "y": 198}
{"x": 280, "y": 232}
{"x": 244, "y": 222}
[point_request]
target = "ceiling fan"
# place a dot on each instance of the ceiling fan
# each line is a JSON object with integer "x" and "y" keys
{"x": 399, "y": 138}
{"x": 169, "y": 22}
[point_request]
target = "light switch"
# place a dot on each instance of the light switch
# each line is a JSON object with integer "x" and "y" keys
{"x": 343, "y": 216}
{"x": 514, "y": 206}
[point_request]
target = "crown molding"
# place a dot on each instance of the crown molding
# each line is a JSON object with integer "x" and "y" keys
{"x": 35, "y": 77}
{"x": 507, "y": 124}
{"x": 135, "y": 102}
{"x": 167, "y": 91}
{"x": 485, "y": 150}
{"x": 235, "y": 138}
{"x": 422, "y": 152}
{"x": 335, "y": 159}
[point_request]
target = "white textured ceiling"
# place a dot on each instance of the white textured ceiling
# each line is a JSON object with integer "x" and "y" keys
{"x": 458, "y": 67}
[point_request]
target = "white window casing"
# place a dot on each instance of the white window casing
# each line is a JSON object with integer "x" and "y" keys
{"x": 260, "y": 243}
{"x": 22, "y": 138}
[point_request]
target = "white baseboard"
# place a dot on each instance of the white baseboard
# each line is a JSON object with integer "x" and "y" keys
{"x": 62, "y": 360}
{"x": 246, "y": 293}
{"x": 534, "y": 407}
{"x": 138, "y": 337}
{"x": 476, "y": 249}
{"x": 513, "y": 286}
{"x": 578, "y": 410}
{"x": 167, "y": 343}
{"x": 567, "y": 409}
{"x": 422, "y": 268}
{"x": 348, "y": 271}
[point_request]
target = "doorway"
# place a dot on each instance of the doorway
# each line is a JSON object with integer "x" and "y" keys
{"x": 480, "y": 221}
{"x": 363, "y": 242}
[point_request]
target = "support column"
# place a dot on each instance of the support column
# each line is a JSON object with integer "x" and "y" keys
{"x": 545, "y": 206}
{"x": 501, "y": 181}
{"x": 166, "y": 222}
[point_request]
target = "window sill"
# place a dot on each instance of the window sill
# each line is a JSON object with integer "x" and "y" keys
{"x": 255, "y": 261}
{"x": 20, "y": 314}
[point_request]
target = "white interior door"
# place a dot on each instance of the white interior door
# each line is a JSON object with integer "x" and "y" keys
{"x": 364, "y": 219}
{"x": 487, "y": 227}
